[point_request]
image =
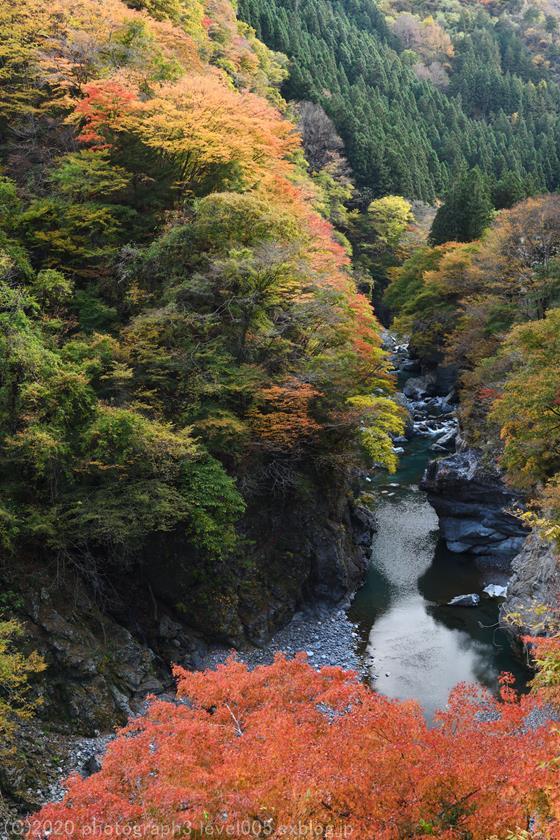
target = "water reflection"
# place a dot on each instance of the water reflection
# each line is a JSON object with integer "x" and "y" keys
{"x": 417, "y": 647}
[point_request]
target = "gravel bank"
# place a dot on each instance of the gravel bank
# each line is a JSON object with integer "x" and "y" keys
{"x": 325, "y": 634}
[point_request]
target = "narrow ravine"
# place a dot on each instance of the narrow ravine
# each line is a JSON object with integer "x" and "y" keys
{"x": 414, "y": 645}
{"x": 399, "y": 632}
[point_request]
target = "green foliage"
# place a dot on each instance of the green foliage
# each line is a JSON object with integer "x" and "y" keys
{"x": 425, "y": 294}
{"x": 87, "y": 175}
{"x": 51, "y": 289}
{"x": 226, "y": 220}
{"x": 407, "y": 281}
{"x": 389, "y": 217}
{"x": 70, "y": 236}
{"x": 382, "y": 417}
{"x": 527, "y": 409}
{"x": 9, "y": 201}
{"x": 159, "y": 9}
{"x": 466, "y": 212}
{"x": 414, "y": 116}
{"x": 509, "y": 190}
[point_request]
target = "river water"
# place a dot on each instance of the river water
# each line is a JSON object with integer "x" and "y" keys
{"x": 414, "y": 645}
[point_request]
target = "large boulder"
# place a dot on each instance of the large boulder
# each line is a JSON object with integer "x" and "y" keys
{"x": 446, "y": 379}
{"x": 475, "y": 508}
{"x": 420, "y": 387}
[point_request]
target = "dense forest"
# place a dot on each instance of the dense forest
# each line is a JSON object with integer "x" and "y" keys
{"x": 181, "y": 334}
{"x": 414, "y": 102}
{"x": 490, "y": 307}
{"x": 199, "y": 203}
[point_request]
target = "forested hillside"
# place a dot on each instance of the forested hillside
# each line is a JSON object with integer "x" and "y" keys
{"x": 188, "y": 377}
{"x": 196, "y": 407}
{"x": 417, "y": 98}
{"x": 491, "y": 308}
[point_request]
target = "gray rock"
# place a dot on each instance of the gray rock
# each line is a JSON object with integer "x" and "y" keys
{"x": 468, "y": 530}
{"x": 473, "y": 506}
{"x": 419, "y": 387}
{"x": 448, "y": 438}
{"x": 534, "y": 585}
{"x": 471, "y": 600}
{"x": 494, "y": 590}
{"x": 412, "y": 365}
{"x": 169, "y": 629}
{"x": 91, "y": 765}
{"x": 458, "y": 547}
{"x": 446, "y": 379}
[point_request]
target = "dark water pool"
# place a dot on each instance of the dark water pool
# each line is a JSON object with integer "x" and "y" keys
{"x": 416, "y": 647}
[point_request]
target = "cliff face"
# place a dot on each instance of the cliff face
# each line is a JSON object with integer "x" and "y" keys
{"x": 291, "y": 552}
{"x": 105, "y": 657}
{"x": 473, "y": 506}
{"x": 534, "y": 589}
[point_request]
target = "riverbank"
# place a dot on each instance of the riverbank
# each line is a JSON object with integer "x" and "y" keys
{"x": 324, "y": 633}
{"x": 399, "y": 631}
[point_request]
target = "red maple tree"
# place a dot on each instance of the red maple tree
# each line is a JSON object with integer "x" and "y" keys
{"x": 284, "y": 747}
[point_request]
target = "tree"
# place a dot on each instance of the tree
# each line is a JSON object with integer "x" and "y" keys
{"x": 389, "y": 218}
{"x": 527, "y": 406}
{"x": 285, "y": 746}
{"x": 213, "y": 135}
{"x": 426, "y": 295}
{"x": 509, "y": 190}
{"x": 321, "y": 142}
{"x": 518, "y": 259}
{"x": 466, "y": 212}
{"x": 16, "y": 672}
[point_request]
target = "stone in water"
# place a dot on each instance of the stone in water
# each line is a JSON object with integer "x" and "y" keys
{"x": 471, "y": 600}
{"x": 494, "y": 590}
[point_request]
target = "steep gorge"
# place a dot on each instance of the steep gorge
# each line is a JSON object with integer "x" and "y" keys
{"x": 195, "y": 403}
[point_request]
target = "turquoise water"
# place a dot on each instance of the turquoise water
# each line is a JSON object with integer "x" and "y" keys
{"x": 416, "y": 646}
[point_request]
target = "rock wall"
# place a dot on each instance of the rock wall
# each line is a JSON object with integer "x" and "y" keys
{"x": 534, "y": 585}
{"x": 473, "y": 506}
{"x": 104, "y": 657}
{"x": 292, "y": 553}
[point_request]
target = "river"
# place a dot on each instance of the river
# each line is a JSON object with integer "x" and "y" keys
{"x": 416, "y": 647}
{"x": 399, "y": 631}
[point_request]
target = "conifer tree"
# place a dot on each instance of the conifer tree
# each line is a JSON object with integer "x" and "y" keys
{"x": 466, "y": 212}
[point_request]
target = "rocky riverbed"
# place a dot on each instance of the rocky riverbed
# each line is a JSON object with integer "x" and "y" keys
{"x": 325, "y": 634}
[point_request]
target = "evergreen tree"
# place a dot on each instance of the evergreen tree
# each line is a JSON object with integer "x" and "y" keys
{"x": 466, "y": 212}
{"x": 403, "y": 134}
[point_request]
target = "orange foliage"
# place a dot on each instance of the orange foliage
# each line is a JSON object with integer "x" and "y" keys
{"x": 488, "y": 393}
{"x": 198, "y": 122}
{"x": 262, "y": 753}
{"x": 69, "y": 33}
{"x": 102, "y": 109}
{"x": 283, "y": 417}
{"x": 202, "y": 122}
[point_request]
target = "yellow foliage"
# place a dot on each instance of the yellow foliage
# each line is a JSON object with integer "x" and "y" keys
{"x": 16, "y": 669}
